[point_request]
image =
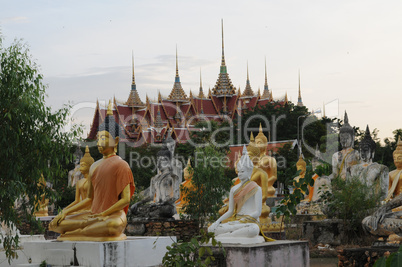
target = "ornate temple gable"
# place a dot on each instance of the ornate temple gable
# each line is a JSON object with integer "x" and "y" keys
{"x": 123, "y": 116}
{"x": 177, "y": 93}
{"x": 248, "y": 92}
{"x": 217, "y": 104}
{"x": 133, "y": 98}
{"x": 266, "y": 94}
{"x": 299, "y": 99}
{"x": 95, "y": 122}
{"x": 223, "y": 85}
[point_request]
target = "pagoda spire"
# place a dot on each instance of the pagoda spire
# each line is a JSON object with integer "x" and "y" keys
{"x": 266, "y": 94}
{"x": 177, "y": 92}
{"x": 223, "y": 63}
{"x": 201, "y": 93}
{"x": 133, "y": 98}
{"x": 133, "y": 86}
{"x": 248, "y": 91}
{"x": 299, "y": 99}
{"x": 286, "y": 98}
{"x": 223, "y": 86}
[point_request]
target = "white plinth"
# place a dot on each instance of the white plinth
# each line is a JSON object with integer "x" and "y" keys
{"x": 135, "y": 251}
{"x": 240, "y": 240}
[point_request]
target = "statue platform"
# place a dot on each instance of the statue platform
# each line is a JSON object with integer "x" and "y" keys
{"x": 135, "y": 251}
{"x": 284, "y": 253}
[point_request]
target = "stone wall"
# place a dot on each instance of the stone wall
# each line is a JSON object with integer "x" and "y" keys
{"x": 182, "y": 229}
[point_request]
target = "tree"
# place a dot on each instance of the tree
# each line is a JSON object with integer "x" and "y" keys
{"x": 32, "y": 139}
{"x": 210, "y": 185}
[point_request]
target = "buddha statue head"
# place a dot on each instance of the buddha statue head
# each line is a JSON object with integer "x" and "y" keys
{"x": 253, "y": 150}
{"x": 367, "y": 147}
{"x": 170, "y": 143}
{"x": 108, "y": 134}
{"x": 301, "y": 166}
{"x": 188, "y": 171}
{"x": 261, "y": 141}
{"x": 245, "y": 166}
{"x": 164, "y": 159}
{"x": 398, "y": 155}
{"x": 346, "y": 134}
{"x": 86, "y": 162}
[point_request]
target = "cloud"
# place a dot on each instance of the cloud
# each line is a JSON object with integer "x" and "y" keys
{"x": 11, "y": 20}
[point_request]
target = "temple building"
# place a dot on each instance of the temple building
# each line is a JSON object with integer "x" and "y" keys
{"x": 151, "y": 121}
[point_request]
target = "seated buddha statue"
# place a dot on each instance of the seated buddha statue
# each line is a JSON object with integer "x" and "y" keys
{"x": 386, "y": 222}
{"x": 343, "y": 160}
{"x": 41, "y": 208}
{"x": 300, "y": 166}
{"x": 185, "y": 187}
{"x": 370, "y": 173}
{"x": 81, "y": 188}
{"x": 245, "y": 203}
{"x": 110, "y": 188}
{"x": 163, "y": 191}
{"x": 395, "y": 179}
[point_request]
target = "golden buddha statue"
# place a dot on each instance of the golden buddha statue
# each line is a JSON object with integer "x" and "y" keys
{"x": 185, "y": 187}
{"x": 110, "y": 187}
{"x": 41, "y": 208}
{"x": 82, "y": 185}
{"x": 267, "y": 163}
{"x": 395, "y": 181}
{"x": 300, "y": 166}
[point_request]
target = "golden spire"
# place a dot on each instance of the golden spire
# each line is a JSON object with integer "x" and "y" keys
{"x": 323, "y": 109}
{"x": 159, "y": 97}
{"x": 177, "y": 92}
{"x": 191, "y": 94}
{"x": 286, "y": 98}
{"x": 201, "y": 93}
{"x": 299, "y": 99}
{"x": 133, "y": 82}
{"x": 259, "y": 92}
{"x": 109, "y": 108}
{"x": 248, "y": 91}
{"x": 265, "y": 94}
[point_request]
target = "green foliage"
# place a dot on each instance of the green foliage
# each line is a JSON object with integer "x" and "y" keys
{"x": 393, "y": 260}
{"x": 192, "y": 253}
{"x": 350, "y": 201}
{"x": 290, "y": 201}
{"x": 210, "y": 185}
{"x": 32, "y": 139}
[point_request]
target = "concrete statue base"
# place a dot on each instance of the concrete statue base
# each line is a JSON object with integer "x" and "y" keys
{"x": 240, "y": 240}
{"x": 135, "y": 251}
{"x": 282, "y": 253}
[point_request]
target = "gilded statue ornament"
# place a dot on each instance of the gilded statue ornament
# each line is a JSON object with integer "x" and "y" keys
{"x": 185, "y": 187}
{"x": 101, "y": 216}
{"x": 41, "y": 209}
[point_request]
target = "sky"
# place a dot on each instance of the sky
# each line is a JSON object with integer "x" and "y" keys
{"x": 347, "y": 52}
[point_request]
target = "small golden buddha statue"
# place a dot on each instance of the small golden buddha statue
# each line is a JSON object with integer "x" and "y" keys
{"x": 300, "y": 166}
{"x": 82, "y": 185}
{"x": 43, "y": 202}
{"x": 395, "y": 179}
{"x": 110, "y": 188}
{"x": 267, "y": 163}
{"x": 185, "y": 187}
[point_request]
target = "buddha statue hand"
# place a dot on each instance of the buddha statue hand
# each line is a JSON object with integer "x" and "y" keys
{"x": 60, "y": 217}
{"x": 213, "y": 226}
{"x": 377, "y": 217}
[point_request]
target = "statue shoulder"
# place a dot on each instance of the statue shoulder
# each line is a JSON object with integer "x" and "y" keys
{"x": 95, "y": 165}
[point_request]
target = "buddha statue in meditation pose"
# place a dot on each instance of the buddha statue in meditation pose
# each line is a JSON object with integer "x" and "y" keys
{"x": 163, "y": 191}
{"x": 82, "y": 185}
{"x": 300, "y": 166}
{"x": 176, "y": 165}
{"x": 370, "y": 173}
{"x": 75, "y": 174}
{"x": 395, "y": 179}
{"x": 185, "y": 187}
{"x": 41, "y": 209}
{"x": 245, "y": 203}
{"x": 343, "y": 160}
{"x": 101, "y": 216}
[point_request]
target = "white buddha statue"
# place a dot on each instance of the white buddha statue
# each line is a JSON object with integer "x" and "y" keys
{"x": 245, "y": 204}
